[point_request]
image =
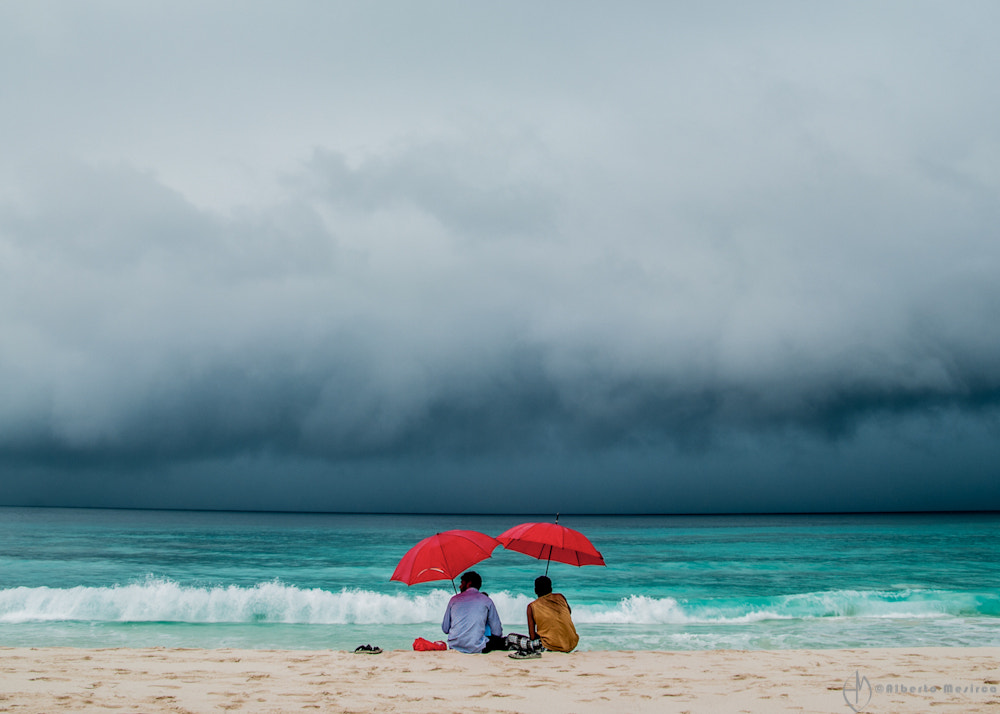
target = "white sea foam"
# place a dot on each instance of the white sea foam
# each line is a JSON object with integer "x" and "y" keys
{"x": 905, "y": 604}
{"x": 161, "y": 600}
{"x": 166, "y": 601}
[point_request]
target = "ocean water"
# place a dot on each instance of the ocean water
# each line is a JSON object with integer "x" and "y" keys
{"x": 105, "y": 578}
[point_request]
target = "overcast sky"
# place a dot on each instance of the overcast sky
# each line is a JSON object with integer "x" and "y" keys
{"x": 509, "y": 257}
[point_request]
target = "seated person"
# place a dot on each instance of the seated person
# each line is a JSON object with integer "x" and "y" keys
{"x": 549, "y": 618}
{"x": 550, "y": 626}
{"x": 468, "y": 615}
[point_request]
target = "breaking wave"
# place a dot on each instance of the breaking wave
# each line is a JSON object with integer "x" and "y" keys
{"x": 902, "y": 604}
{"x": 161, "y": 600}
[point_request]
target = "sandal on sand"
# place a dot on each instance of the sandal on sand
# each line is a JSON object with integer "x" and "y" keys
{"x": 368, "y": 649}
{"x": 521, "y": 654}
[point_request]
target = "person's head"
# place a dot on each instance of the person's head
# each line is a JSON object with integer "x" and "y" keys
{"x": 543, "y": 586}
{"x": 471, "y": 579}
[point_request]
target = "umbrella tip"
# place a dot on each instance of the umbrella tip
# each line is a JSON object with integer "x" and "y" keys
{"x": 557, "y": 518}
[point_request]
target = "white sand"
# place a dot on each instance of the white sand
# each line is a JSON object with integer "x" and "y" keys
{"x": 182, "y": 680}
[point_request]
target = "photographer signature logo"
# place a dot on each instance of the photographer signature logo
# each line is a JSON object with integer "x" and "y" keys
{"x": 857, "y": 692}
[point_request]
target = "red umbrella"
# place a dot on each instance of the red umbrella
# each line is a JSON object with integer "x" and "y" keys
{"x": 551, "y": 541}
{"x": 443, "y": 556}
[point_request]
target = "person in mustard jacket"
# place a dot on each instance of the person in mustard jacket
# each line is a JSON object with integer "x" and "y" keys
{"x": 549, "y": 618}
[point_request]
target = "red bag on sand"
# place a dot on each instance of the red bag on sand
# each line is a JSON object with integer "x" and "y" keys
{"x": 422, "y": 645}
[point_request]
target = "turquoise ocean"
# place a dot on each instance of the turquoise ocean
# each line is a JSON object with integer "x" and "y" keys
{"x": 119, "y": 578}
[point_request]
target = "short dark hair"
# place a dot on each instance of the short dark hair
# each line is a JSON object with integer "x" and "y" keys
{"x": 543, "y": 586}
{"x": 473, "y": 579}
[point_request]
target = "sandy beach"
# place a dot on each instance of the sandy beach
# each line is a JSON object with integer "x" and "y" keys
{"x": 188, "y": 680}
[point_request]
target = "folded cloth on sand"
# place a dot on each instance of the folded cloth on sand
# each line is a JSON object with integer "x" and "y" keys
{"x": 422, "y": 645}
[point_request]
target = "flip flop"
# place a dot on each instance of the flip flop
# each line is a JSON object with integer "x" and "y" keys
{"x": 525, "y": 655}
{"x": 368, "y": 649}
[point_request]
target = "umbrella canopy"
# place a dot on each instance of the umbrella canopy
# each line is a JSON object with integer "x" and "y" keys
{"x": 551, "y": 541}
{"x": 443, "y": 556}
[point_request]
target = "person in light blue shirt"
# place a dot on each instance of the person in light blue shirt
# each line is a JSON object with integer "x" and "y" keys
{"x": 467, "y": 616}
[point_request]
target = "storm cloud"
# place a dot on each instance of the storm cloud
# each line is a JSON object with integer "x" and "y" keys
{"x": 340, "y": 257}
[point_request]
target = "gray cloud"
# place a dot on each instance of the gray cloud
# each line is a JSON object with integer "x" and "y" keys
{"x": 403, "y": 255}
